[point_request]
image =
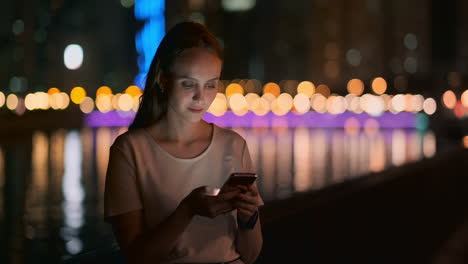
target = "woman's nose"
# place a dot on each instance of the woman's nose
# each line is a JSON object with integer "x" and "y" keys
{"x": 198, "y": 94}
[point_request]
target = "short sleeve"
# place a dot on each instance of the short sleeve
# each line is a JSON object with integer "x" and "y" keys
{"x": 248, "y": 166}
{"x": 121, "y": 193}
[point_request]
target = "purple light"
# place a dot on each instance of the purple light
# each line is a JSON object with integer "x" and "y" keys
{"x": 229, "y": 119}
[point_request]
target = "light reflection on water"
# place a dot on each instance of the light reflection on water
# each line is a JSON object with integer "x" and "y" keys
{"x": 61, "y": 211}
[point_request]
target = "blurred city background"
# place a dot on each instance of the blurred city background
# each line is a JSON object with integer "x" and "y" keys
{"x": 342, "y": 103}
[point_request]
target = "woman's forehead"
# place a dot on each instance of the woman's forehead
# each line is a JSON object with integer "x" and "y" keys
{"x": 195, "y": 63}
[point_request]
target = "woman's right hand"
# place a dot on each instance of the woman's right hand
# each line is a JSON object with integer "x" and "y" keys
{"x": 200, "y": 203}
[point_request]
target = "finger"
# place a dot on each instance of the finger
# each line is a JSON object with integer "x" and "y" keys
{"x": 253, "y": 189}
{"x": 248, "y": 198}
{"x": 246, "y": 206}
{"x": 228, "y": 195}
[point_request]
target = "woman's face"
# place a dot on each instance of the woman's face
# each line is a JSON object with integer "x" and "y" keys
{"x": 194, "y": 78}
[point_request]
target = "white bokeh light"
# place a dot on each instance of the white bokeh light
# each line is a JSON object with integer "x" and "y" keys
{"x": 73, "y": 56}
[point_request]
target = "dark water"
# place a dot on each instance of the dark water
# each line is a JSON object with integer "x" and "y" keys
{"x": 52, "y": 183}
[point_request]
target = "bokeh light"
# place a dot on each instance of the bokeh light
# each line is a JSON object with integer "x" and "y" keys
{"x": 125, "y": 102}
{"x": 53, "y": 90}
{"x": 355, "y": 86}
{"x": 30, "y": 102}
{"x": 251, "y": 97}
{"x": 374, "y": 105}
{"x": 449, "y": 99}
{"x": 133, "y": 91}
{"x": 2, "y": 99}
{"x": 104, "y": 103}
{"x": 234, "y": 88}
{"x": 318, "y": 102}
{"x": 307, "y": 88}
{"x": 87, "y": 105}
{"x": 269, "y": 97}
{"x": 77, "y": 95}
{"x": 301, "y": 103}
{"x": 12, "y": 101}
{"x": 351, "y": 126}
{"x": 260, "y": 106}
{"x": 238, "y": 104}
{"x": 398, "y": 103}
{"x": 277, "y": 109}
{"x": 73, "y": 56}
{"x": 323, "y": 90}
{"x": 379, "y": 85}
{"x": 272, "y": 88}
{"x": 464, "y": 98}
{"x": 103, "y": 90}
{"x": 219, "y": 105}
{"x": 285, "y": 102}
{"x": 429, "y": 106}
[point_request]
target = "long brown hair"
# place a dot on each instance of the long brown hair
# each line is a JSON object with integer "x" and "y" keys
{"x": 154, "y": 101}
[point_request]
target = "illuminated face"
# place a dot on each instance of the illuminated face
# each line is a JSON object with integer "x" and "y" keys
{"x": 194, "y": 79}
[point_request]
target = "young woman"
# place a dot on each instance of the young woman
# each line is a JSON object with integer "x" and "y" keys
{"x": 155, "y": 195}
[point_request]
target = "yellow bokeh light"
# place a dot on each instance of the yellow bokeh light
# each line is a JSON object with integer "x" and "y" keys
{"x": 65, "y": 100}
{"x": 269, "y": 97}
{"x": 379, "y": 85}
{"x": 115, "y": 101}
{"x": 261, "y": 106}
{"x": 125, "y": 102}
{"x": 53, "y": 90}
{"x": 355, "y": 86}
{"x": 277, "y": 109}
{"x": 429, "y": 106}
{"x": 54, "y": 101}
{"x": 104, "y": 103}
{"x": 307, "y": 88}
{"x": 464, "y": 98}
{"x": 87, "y": 105}
{"x": 219, "y": 106}
{"x": 272, "y": 88}
{"x": 30, "y": 102}
{"x": 318, "y": 102}
{"x": 2, "y": 99}
{"x": 237, "y": 103}
{"x": 449, "y": 99}
{"x": 465, "y": 141}
{"x": 234, "y": 88}
{"x": 285, "y": 101}
{"x": 301, "y": 103}
{"x": 12, "y": 101}
{"x": 103, "y": 90}
{"x": 136, "y": 103}
{"x": 323, "y": 90}
{"x": 77, "y": 95}
{"x": 42, "y": 100}
{"x": 133, "y": 91}
{"x": 251, "y": 97}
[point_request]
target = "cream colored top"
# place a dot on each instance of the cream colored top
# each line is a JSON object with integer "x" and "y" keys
{"x": 142, "y": 175}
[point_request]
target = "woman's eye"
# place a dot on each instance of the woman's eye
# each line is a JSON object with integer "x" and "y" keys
{"x": 188, "y": 84}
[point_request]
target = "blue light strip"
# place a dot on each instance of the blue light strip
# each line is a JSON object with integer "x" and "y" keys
{"x": 147, "y": 40}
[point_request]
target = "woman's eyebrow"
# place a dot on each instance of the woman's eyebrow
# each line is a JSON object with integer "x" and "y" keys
{"x": 191, "y": 78}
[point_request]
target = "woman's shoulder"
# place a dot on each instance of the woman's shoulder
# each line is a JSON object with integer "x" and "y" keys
{"x": 128, "y": 139}
{"x": 228, "y": 135}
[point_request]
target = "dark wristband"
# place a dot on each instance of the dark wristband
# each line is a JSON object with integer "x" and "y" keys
{"x": 250, "y": 224}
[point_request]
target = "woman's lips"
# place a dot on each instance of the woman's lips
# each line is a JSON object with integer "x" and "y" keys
{"x": 196, "y": 110}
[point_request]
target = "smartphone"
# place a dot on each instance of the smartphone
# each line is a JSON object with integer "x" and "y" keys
{"x": 241, "y": 178}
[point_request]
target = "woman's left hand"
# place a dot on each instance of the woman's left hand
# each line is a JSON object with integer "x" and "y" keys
{"x": 246, "y": 202}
